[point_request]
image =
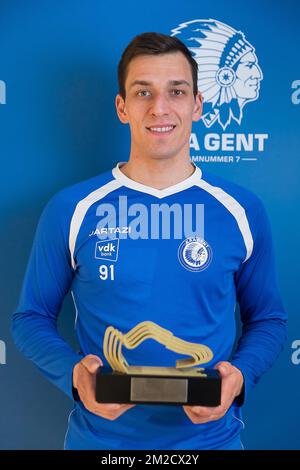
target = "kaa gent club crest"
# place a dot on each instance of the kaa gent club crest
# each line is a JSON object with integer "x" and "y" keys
{"x": 195, "y": 254}
{"x": 228, "y": 72}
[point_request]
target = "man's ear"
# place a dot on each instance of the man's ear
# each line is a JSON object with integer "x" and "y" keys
{"x": 121, "y": 109}
{"x": 197, "y": 113}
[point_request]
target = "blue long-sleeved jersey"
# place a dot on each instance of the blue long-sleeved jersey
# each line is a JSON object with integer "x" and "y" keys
{"x": 181, "y": 257}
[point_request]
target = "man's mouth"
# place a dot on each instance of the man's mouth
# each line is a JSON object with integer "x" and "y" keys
{"x": 161, "y": 130}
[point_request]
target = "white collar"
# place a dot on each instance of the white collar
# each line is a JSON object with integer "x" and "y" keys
{"x": 160, "y": 193}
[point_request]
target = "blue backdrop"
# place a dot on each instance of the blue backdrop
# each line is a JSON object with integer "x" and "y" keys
{"x": 58, "y": 126}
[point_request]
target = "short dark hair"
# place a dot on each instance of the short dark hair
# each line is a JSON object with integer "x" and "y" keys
{"x": 153, "y": 44}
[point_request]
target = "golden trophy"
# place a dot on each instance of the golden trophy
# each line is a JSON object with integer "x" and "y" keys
{"x": 183, "y": 384}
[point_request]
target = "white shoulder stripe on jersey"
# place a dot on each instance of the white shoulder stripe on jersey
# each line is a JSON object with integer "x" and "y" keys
{"x": 82, "y": 208}
{"x": 235, "y": 209}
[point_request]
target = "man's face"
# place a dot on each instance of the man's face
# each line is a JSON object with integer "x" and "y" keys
{"x": 159, "y": 105}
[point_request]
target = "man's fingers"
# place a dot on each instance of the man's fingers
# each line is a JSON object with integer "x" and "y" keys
{"x": 201, "y": 417}
{"x": 232, "y": 382}
{"x": 111, "y": 407}
{"x": 202, "y": 414}
{"x": 201, "y": 411}
{"x": 110, "y": 410}
{"x": 86, "y": 388}
{"x": 86, "y": 377}
{"x": 91, "y": 363}
{"x": 224, "y": 368}
{"x": 195, "y": 418}
{"x": 227, "y": 391}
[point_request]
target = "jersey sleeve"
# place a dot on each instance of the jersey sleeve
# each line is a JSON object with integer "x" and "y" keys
{"x": 47, "y": 280}
{"x": 262, "y": 313}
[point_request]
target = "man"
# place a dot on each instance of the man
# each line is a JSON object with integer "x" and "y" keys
{"x": 156, "y": 239}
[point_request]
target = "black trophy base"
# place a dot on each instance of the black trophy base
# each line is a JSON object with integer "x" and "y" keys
{"x": 159, "y": 385}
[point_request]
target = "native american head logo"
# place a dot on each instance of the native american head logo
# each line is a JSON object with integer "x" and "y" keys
{"x": 228, "y": 72}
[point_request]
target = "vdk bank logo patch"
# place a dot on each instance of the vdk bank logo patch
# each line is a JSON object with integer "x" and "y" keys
{"x": 195, "y": 254}
{"x": 107, "y": 249}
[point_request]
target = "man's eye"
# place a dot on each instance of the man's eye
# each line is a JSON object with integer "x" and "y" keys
{"x": 176, "y": 92}
{"x": 142, "y": 92}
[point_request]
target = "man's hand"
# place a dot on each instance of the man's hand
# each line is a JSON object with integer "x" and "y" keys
{"x": 84, "y": 380}
{"x": 232, "y": 382}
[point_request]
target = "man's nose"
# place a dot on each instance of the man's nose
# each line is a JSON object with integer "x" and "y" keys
{"x": 160, "y": 105}
{"x": 256, "y": 72}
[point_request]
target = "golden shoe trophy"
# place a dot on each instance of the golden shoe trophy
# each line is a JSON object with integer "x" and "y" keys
{"x": 180, "y": 385}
